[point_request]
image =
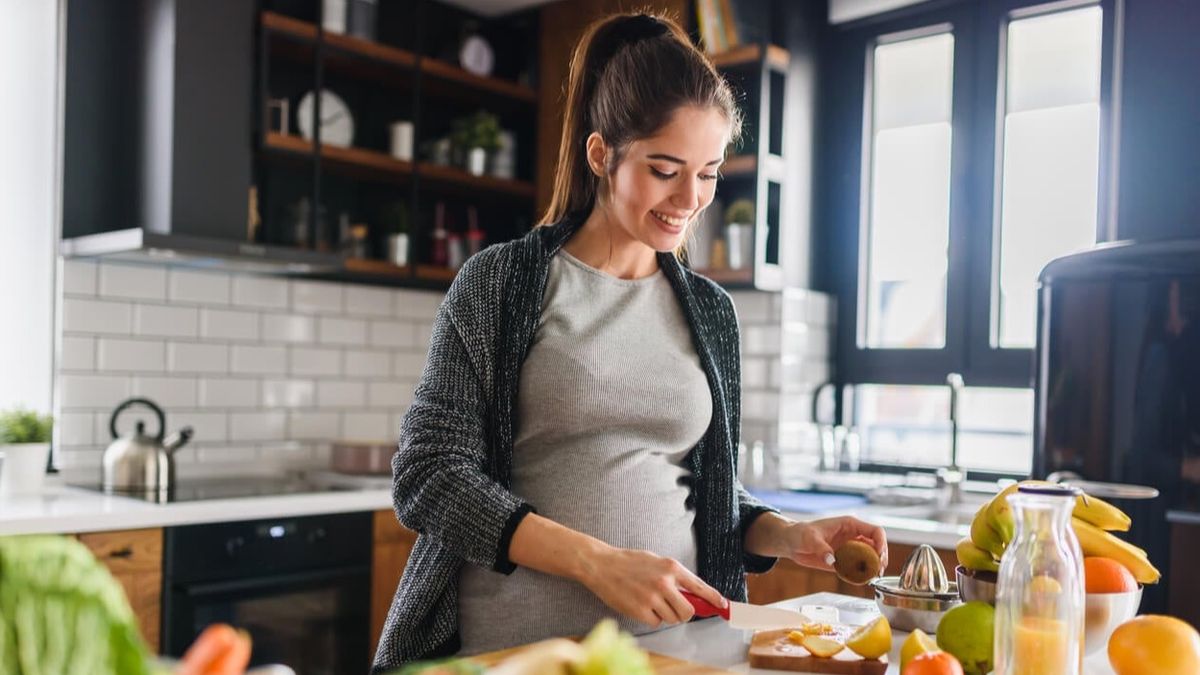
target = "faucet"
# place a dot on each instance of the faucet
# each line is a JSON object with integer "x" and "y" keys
{"x": 952, "y": 476}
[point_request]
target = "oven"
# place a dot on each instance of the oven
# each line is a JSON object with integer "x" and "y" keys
{"x": 299, "y": 585}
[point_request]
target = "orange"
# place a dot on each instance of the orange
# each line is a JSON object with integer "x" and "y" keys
{"x": 933, "y": 663}
{"x": 1105, "y": 575}
{"x": 1154, "y": 645}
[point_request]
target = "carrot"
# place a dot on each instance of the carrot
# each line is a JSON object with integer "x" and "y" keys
{"x": 217, "y": 651}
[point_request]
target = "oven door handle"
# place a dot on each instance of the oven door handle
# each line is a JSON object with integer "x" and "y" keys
{"x": 193, "y": 590}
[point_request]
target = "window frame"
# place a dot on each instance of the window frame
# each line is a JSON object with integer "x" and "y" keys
{"x": 979, "y": 30}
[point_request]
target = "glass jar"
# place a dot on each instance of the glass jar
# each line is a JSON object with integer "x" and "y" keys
{"x": 1040, "y": 591}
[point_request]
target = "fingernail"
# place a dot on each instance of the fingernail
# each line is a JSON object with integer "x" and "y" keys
{"x": 829, "y": 559}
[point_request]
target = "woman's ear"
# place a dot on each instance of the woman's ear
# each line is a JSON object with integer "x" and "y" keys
{"x": 597, "y": 153}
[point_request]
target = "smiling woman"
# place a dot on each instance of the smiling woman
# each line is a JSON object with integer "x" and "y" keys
{"x": 571, "y": 448}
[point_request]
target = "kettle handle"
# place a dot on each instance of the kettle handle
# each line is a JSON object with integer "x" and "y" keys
{"x": 162, "y": 424}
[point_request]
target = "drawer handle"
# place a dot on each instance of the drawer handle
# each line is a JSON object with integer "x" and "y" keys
{"x": 125, "y": 552}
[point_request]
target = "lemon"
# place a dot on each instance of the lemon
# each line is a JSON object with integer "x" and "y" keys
{"x": 821, "y": 647}
{"x": 872, "y": 640}
{"x": 918, "y": 642}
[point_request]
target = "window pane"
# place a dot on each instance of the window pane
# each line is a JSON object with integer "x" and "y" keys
{"x": 910, "y": 426}
{"x": 909, "y": 171}
{"x": 1051, "y": 156}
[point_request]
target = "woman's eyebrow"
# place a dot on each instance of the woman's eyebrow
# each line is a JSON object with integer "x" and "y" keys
{"x": 669, "y": 158}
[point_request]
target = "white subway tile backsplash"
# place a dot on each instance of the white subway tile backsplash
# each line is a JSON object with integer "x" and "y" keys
{"x": 96, "y": 316}
{"x": 165, "y": 320}
{"x": 755, "y": 373}
{"x": 79, "y": 461}
{"x": 391, "y": 334}
{"x": 208, "y": 427}
{"x": 285, "y": 453}
{"x": 753, "y": 306}
{"x": 209, "y": 288}
{"x": 264, "y": 292}
{"x": 257, "y": 426}
{"x": 226, "y": 454}
{"x": 288, "y": 393}
{"x": 408, "y": 365}
{"x": 167, "y": 391}
{"x": 228, "y": 393}
{"x": 195, "y": 357}
{"x": 92, "y": 391}
{"x": 317, "y": 296}
{"x": 367, "y": 426}
{"x": 258, "y": 360}
{"x": 332, "y": 330}
{"x": 78, "y": 353}
{"x": 310, "y": 424}
{"x": 368, "y": 301}
{"x": 421, "y": 305}
{"x": 338, "y": 394}
{"x": 375, "y": 365}
{"x": 75, "y": 428}
{"x": 760, "y": 405}
{"x": 761, "y": 340}
{"x": 120, "y": 354}
{"x": 422, "y": 333}
{"x": 389, "y": 394}
{"x": 143, "y": 282}
{"x": 228, "y": 324}
{"x": 288, "y": 328}
{"x": 314, "y": 361}
{"x": 79, "y": 277}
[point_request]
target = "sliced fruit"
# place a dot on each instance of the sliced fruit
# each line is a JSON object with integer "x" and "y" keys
{"x": 872, "y": 640}
{"x": 1098, "y": 543}
{"x": 1162, "y": 645}
{"x": 821, "y": 647}
{"x": 856, "y": 562}
{"x": 796, "y": 637}
{"x": 1105, "y": 575}
{"x": 918, "y": 642}
{"x": 933, "y": 663}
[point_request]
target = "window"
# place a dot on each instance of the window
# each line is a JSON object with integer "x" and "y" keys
{"x": 972, "y": 154}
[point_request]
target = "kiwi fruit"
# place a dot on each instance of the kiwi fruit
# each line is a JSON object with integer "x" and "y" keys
{"x": 856, "y": 562}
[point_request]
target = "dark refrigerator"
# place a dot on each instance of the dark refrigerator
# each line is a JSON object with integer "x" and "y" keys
{"x": 1118, "y": 393}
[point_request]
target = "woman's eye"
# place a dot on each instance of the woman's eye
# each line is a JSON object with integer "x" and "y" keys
{"x": 661, "y": 174}
{"x": 712, "y": 176}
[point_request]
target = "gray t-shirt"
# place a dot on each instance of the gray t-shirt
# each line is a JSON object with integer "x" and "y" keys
{"x": 612, "y": 398}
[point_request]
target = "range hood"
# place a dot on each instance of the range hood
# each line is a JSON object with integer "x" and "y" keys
{"x": 143, "y": 246}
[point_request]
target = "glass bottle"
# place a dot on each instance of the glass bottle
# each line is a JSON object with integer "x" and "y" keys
{"x": 1040, "y": 593}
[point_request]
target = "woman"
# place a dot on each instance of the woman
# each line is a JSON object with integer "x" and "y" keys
{"x": 584, "y": 370}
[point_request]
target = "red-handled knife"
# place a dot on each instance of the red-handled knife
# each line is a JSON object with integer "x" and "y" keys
{"x": 745, "y": 616}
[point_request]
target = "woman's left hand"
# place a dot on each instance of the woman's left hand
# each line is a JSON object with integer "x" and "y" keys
{"x": 812, "y": 543}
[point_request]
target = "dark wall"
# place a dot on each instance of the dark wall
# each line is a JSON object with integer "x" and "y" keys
{"x": 1159, "y": 195}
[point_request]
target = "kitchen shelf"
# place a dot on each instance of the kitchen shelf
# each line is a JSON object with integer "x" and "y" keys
{"x": 395, "y": 57}
{"x": 455, "y": 177}
{"x": 381, "y": 268}
{"x": 748, "y": 55}
{"x": 740, "y": 165}
{"x": 435, "y": 273}
{"x": 728, "y": 277}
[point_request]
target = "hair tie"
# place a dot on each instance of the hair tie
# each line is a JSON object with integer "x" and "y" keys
{"x": 630, "y": 30}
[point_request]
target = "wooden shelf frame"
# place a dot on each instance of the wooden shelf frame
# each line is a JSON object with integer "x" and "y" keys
{"x": 747, "y": 55}
{"x": 397, "y": 58}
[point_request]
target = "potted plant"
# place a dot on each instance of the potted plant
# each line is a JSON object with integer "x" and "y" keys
{"x": 739, "y": 233}
{"x": 481, "y": 136}
{"x": 25, "y": 444}
{"x": 395, "y": 222}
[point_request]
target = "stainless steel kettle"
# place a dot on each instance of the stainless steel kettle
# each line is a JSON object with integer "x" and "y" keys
{"x": 141, "y": 464}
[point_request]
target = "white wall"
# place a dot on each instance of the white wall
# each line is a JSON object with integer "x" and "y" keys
{"x": 841, "y": 11}
{"x": 28, "y": 124}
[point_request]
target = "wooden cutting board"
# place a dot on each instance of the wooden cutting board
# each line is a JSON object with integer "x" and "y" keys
{"x": 662, "y": 665}
{"x": 772, "y": 649}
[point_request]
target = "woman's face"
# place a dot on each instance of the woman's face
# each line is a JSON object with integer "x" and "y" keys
{"x": 664, "y": 181}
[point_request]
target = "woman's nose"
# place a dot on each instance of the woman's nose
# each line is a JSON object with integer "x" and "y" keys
{"x": 688, "y": 195}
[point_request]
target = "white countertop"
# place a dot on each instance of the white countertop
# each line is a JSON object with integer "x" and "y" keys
{"x": 713, "y": 643}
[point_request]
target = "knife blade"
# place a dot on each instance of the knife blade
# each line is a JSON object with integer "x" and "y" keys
{"x": 746, "y": 616}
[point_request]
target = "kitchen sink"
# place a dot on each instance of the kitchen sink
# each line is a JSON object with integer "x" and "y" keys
{"x": 952, "y": 514}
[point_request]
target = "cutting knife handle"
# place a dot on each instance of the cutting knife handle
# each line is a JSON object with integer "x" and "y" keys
{"x": 704, "y": 608}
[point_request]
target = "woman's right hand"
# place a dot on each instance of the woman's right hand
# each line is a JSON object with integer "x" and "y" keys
{"x": 645, "y": 587}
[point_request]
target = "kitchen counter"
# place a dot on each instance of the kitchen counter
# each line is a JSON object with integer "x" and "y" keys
{"x": 713, "y": 643}
{"x": 66, "y": 509}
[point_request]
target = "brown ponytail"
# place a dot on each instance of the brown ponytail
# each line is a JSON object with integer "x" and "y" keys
{"x": 629, "y": 73}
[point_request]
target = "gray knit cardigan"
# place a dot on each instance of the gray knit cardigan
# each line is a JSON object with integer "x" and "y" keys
{"x": 451, "y": 475}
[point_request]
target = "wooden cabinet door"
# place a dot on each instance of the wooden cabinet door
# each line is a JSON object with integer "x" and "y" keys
{"x": 392, "y": 544}
{"x": 135, "y": 559}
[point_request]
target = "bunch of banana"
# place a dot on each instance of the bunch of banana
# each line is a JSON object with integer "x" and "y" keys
{"x": 994, "y": 525}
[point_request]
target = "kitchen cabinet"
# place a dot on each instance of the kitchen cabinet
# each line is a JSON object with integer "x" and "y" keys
{"x": 1184, "y": 601}
{"x": 134, "y": 557}
{"x": 393, "y": 543}
{"x": 789, "y": 580}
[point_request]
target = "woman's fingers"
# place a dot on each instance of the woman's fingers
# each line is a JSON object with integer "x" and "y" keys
{"x": 690, "y": 582}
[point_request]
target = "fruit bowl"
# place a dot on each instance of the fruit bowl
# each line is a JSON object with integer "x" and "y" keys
{"x": 976, "y": 585}
{"x": 1103, "y": 612}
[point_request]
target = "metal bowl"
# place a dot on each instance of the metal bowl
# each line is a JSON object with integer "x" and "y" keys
{"x": 908, "y": 610}
{"x": 975, "y": 585}
{"x": 1103, "y": 612}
